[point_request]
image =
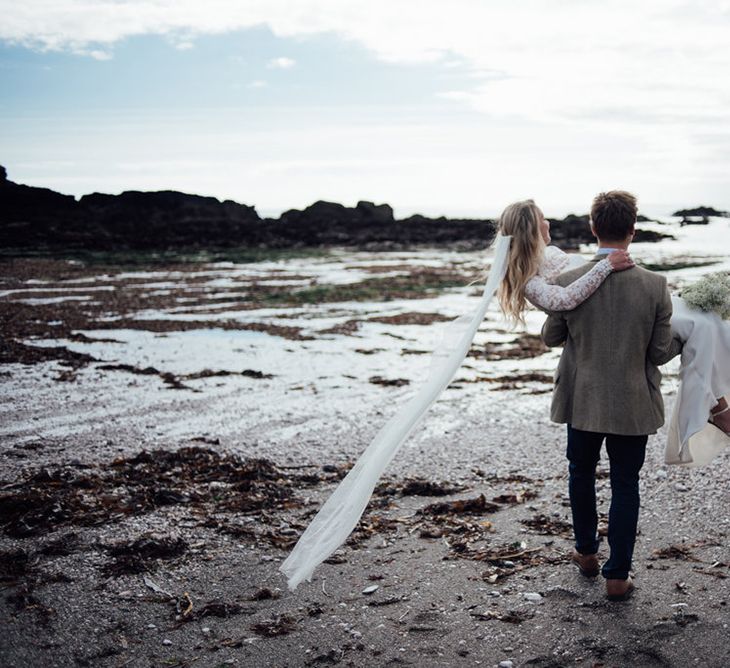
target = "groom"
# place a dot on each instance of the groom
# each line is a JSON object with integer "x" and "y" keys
{"x": 607, "y": 387}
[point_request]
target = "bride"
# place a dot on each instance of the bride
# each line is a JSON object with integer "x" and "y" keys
{"x": 705, "y": 363}
{"x": 523, "y": 267}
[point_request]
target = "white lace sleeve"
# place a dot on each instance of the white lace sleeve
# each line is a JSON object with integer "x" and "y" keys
{"x": 554, "y": 262}
{"x": 557, "y": 298}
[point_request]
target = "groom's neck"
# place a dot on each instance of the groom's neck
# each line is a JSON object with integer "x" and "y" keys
{"x": 620, "y": 245}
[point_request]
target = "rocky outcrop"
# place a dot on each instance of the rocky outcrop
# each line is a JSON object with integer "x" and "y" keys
{"x": 170, "y": 219}
{"x": 42, "y": 218}
{"x": 39, "y": 217}
{"x": 701, "y": 212}
{"x": 373, "y": 227}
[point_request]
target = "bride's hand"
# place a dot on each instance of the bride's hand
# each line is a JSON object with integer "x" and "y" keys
{"x": 620, "y": 260}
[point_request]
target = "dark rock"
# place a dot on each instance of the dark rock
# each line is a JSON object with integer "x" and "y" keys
{"x": 704, "y": 220}
{"x": 39, "y": 218}
{"x": 701, "y": 211}
{"x": 573, "y": 230}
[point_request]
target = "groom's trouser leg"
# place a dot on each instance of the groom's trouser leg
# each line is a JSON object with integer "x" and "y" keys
{"x": 584, "y": 448}
{"x": 626, "y": 454}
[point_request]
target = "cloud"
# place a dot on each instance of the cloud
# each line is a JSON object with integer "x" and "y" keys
{"x": 558, "y": 61}
{"x": 281, "y": 63}
{"x": 98, "y": 54}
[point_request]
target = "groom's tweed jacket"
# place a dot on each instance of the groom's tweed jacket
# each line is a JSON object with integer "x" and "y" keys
{"x": 607, "y": 380}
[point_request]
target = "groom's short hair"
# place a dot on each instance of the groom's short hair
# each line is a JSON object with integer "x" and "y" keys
{"x": 613, "y": 215}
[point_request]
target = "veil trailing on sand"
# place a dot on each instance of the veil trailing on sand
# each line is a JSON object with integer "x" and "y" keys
{"x": 338, "y": 516}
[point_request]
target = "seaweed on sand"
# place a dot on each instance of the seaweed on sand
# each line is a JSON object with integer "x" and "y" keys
{"x": 70, "y": 495}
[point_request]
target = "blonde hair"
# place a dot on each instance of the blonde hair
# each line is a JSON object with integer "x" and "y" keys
{"x": 521, "y": 221}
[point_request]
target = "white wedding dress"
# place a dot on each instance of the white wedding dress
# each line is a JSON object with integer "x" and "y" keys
{"x": 704, "y": 373}
{"x": 704, "y": 377}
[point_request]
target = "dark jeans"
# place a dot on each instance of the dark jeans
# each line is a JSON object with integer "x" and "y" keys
{"x": 626, "y": 456}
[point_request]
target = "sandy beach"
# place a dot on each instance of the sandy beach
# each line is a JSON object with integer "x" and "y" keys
{"x": 168, "y": 430}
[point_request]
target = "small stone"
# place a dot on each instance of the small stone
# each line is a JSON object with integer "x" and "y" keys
{"x": 506, "y": 664}
{"x": 680, "y": 487}
{"x": 532, "y": 597}
{"x": 661, "y": 474}
{"x": 205, "y": 629}
{"x": 167, "y": 641}
{"x": 371, "y": 589}
{"x": 508, "y": 564}
{"x": 151, "y": 626}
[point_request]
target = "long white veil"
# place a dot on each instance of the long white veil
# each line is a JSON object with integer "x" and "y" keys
{"x": 334, "y": 522}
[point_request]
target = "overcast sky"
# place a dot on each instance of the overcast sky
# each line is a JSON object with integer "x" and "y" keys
{"x": 452, "y": 108}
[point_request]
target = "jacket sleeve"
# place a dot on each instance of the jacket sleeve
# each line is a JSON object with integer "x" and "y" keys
{"x": 555, "y": 330}
{"x": 663, "y": 346}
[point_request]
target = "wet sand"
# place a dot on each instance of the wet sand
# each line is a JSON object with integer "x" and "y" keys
{"x": 165, "y": 442}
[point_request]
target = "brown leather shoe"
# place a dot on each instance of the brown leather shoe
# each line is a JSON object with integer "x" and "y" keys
{"x": 619, "y": 590}
{"x": 587, "y": 563}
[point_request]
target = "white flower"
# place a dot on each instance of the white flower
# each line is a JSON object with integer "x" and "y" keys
{"x": 710, "y": 293}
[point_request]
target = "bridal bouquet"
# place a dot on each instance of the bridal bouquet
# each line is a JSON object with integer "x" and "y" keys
{"x": 710, "y": 293}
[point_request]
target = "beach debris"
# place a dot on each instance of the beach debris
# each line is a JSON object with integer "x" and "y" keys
{"x": 680, "y": 552}
{"x": 184, "y": 606}
{"x": 532, "y": 597}
{"x": 389, "y": 382}
{"x": 142, "y": 554}
{"x": 277, "y": 625}
{"x": 221, "y": 609}
{"x": 515, "y": 498}
{"x": 15, "y": 352}
{"x": 411, "y": 318}
{"x": 510, "y": 617}
{"x": 376, "y": 603}
{"x": 67, "y": 544}
{"x": 47, "y": 499}
{"x": 347, "y": 328}
{"x": 417, "y": 487}
{"x": 170, "y": 379}
{"x": 175, "y": 381}
{"x": 549, "y": 526}
{"x": 369, "y": 525}
{"x": 155, "y": 587}
{"x": 525, "y": 346}
{"x": 264, "y": 594}
{"x": 474, "y": 506}
{"x": 370, "y": 589}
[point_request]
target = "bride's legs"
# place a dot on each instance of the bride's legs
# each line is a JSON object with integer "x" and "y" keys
{"x": 721, "y": 415}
